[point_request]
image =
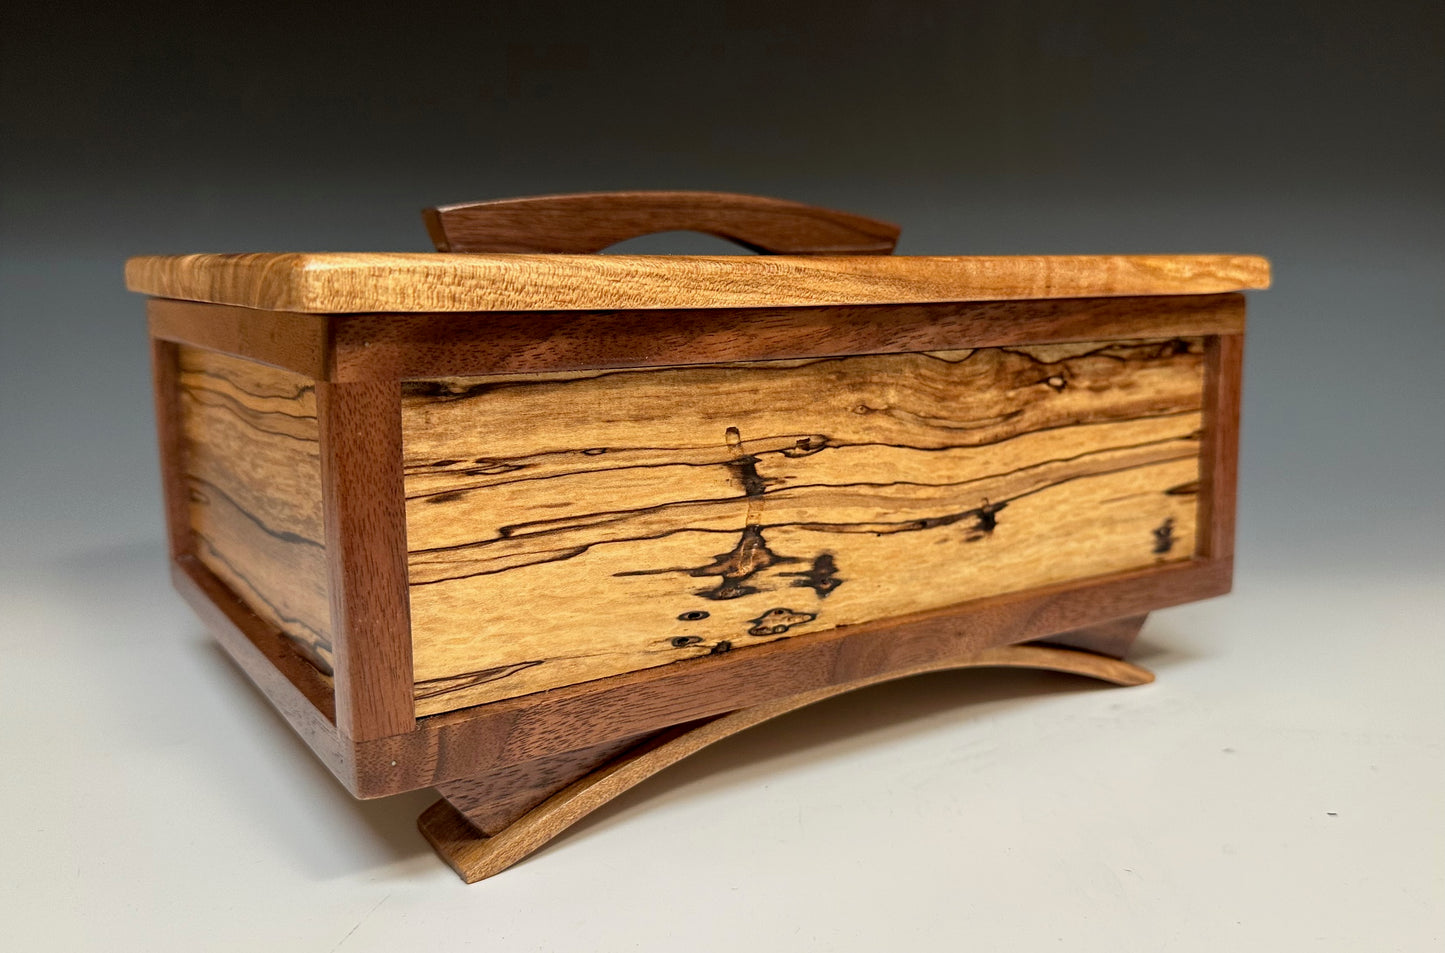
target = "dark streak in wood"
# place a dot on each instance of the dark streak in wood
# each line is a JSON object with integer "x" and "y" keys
{"x": 440, "y": 686}
{"x": 752, "y": 550}
{"x": 313, "y": 644}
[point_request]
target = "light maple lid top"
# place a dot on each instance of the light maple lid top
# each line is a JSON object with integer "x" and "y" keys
{"x": 374, "y": 282}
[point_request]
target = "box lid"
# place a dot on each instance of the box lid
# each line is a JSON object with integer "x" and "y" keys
{"x": 496, "y": 258}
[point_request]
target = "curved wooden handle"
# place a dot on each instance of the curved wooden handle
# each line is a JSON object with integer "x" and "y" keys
{"x": 589, "y": 222}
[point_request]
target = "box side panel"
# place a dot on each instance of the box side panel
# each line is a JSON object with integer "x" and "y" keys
{"x": 567, "y": 527}
{"x": 252, "y": 475}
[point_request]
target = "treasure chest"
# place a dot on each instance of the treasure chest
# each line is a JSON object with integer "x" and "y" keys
{"x": 527, "y": 523}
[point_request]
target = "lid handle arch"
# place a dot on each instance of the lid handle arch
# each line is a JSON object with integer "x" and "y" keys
{"x": 588, "y": 222}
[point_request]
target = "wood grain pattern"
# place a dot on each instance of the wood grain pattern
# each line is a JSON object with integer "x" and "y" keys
{"x": 362, "y": 347}
{"x": 339, "y": 283}
{"x": 553, "y": 548}
{"x": 461, "y": 743}
{"x": 293, "y": 342}
{"x": 360, "y": 453}
{"x": 303, "y": 693}
{"x": 409, "y": 346}
{"x": 491, "y": 800}
{"x": 589, "y": 222}
{"x": 170, "y": 446}
{"x": 480, "y": 850}
{"x": 253, "y": 481}
{"x": 1219, "y": 464}
{"x": 1112, "y": 638}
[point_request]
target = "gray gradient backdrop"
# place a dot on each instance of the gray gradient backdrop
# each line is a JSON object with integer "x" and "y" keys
{"x": 1313, "y": 133}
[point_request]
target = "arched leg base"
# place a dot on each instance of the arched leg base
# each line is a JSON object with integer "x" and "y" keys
{"x": 484, "y": 825}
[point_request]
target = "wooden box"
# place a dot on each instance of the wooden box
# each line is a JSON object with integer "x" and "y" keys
{"x": 527, "y": 523}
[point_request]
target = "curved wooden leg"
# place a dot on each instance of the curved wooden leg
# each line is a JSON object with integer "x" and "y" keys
{"x": 486, "y": 824}
{"x": 1106, "y": 638}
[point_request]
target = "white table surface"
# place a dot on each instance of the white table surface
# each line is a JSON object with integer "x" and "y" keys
{"x": 1279, "y": 787}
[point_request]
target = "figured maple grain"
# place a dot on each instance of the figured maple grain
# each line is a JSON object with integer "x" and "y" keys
{"x": 352, "y": 282}
{"x": 251, "y": 472}
{"x": 568, "y": 527}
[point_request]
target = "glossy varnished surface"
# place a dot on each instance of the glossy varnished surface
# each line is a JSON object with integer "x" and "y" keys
{"x": 564, "y": 528}
{"x": 342, "y": 282}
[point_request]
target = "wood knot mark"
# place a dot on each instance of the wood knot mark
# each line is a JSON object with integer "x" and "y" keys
{"x": 778, "y": 621}
{"x": 1164, "y": 537}
{"x": 822, "y": 578}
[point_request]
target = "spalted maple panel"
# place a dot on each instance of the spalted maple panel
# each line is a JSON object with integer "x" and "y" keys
{"x": 567, "y": 527}
{"x": 253, "y": 474}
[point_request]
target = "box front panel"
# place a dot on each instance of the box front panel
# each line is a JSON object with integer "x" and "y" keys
{"x": 567, "y": 527}
{"x": 252, "y": 474}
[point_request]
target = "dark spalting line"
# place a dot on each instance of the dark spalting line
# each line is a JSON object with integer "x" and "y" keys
{"x": 822, "y": 578}
{"x": 879, "y": 528}
{"x": 940, "y": 423}
{"x": 803, "y": 446}
{"x": 432, "y": 687}
{"x": 1151, "y": 352}
{"x": 1164, "y": 537}
{"x": 1184, "y": 489}
{"x": 827, "y": 444}
{"x": 446, "y": 391}
{"x": 606, "y": 517}
{"x": 985, "y": 517}
{"x": 213, "y": 375}
{"x": 231, "y": 401}
{"x": 310, "y": 649}
{"x": 245, "y": 414}
{"x": 285, "y": 536}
